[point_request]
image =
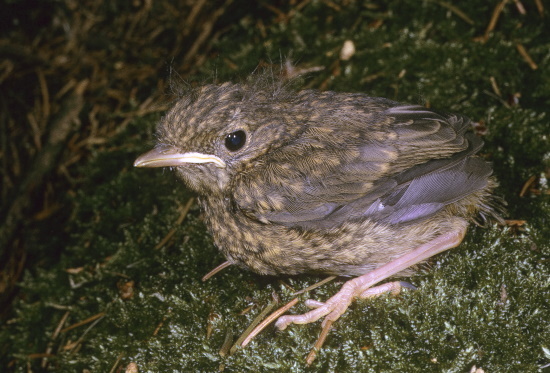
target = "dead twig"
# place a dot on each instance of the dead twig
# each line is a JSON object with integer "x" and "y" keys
{"x": 62, "y": 126}
{"x": 493, "y": 22}
{"x": 540, "y": 7}
{"x": 457, "y": 11}
{"x": 521, "y": 49}
{"x": 84, "y": 322}
{"x": 56, "y": 333}
{"x": 268, "y": 321}
{"x": 206, "y": 31}
{"x": 183, "y": 214}
{"x": 320, "y": 341}
{"x": 316, "y": 285}
{"x": 247, "y": 335}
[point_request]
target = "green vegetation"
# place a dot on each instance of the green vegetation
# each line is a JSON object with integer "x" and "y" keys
{"x": 485, "y": 303}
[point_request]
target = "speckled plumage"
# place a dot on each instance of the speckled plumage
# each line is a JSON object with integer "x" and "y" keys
{"x": 327, "y": 182}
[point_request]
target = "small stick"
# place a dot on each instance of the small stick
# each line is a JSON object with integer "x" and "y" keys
{"x": 45, "y": 98}
{"x": 269, "y": 320}
{"x": 495, "y": 86}
{"x": 172, "y": 231}
{"x": 55, "y": 334}
{"x": 247, "y": 334}
{"x": 515, "y": 223}
{"x": 161, "y": 323}
{"x": 527, "y": 185}
{"x": 521, "y": 49}
{"x": 74, "y": 345}
{"x": 540, "y": 8}
{"x": 117, "y": 361}
{"x": 456, "y": 11}
{"x": 320, "y": 341}
{"x": 494, "y": 18}
{"x": 520, "y": 7}
{"x": 60, "y": 325}
{"x": 224, "y": 350}
{"x": 493, "y": 22}
{"x": 83, "y": 322}
{"x": 316, "y": 285}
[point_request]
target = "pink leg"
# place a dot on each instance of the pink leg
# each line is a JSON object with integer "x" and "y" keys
{"x": 362, "y": 286}
{"x": 394, "y": 288}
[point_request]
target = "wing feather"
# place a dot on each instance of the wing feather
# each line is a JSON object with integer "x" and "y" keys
{"x": 408, "y": 163}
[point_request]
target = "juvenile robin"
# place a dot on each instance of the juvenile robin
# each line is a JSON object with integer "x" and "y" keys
{"x": 295, "y": 182}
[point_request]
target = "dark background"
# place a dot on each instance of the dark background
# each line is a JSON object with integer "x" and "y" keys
{"x": 101, "y": 263}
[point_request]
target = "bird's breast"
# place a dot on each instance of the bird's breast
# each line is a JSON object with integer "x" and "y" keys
{"x": 353, "y": 248}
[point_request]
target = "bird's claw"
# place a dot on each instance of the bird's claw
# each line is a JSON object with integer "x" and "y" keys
{"x": 335, "y": 307}
{"x": 362, "y": 287}
{"x": 331, "y": 310}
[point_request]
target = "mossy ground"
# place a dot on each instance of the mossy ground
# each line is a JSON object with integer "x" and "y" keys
{"x": 484, "y": 304}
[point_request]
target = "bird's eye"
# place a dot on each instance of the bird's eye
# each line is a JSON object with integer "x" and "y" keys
{"x": 235, "y": 140}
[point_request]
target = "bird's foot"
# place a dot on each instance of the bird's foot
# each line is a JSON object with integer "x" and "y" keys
{"x": 336, "y": 306}
{"x": 362, "y": 286}
{"x": 339, "y": 303}
{"x": 394, "y": 288}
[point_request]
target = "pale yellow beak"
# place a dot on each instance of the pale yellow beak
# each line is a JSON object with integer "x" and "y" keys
{"x": 167, "y": 156}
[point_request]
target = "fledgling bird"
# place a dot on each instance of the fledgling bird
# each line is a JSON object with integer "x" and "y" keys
{"x": 295, "y": 182}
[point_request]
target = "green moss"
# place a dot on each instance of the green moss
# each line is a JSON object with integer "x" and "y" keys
{"x": 485, "y": 303}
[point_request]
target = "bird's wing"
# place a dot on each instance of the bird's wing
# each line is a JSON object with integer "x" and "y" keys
{"x": 408, "y": 165}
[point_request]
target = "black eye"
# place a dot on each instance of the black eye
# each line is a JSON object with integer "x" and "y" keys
{"x": 235, "y": 140}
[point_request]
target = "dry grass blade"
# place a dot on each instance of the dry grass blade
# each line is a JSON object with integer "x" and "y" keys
{"x": 84, "y": 322}
{"x": 316, "y": 285}
{"x": 226, "y": 346}
{"x": 56, "y": 333}
{"x": 117, "y": 361}
{"x": 73, "y": 347}
{"x": 268, "y": 321}
{"x": 61, "y": 127}
{"x": 251, "y": 328}
{"x": 456, "y": 11}
{"x": 493, "y": 22}
{"x": 183, "y": 213}
{"x": 320, "y": 341}
{"x": 527, "y": 185}
{"x": 540, "y": 7}
{"x": 521, "y": 49}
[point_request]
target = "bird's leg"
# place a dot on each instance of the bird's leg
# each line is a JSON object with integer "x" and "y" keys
{"x": 361, "y": 286}
{"x": 390, "y": 287}
{"x": 394, "y": 288}
{"x": 216, "y": 270}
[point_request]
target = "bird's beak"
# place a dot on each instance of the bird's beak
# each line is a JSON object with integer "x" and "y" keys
{"x": 167, "y": 156}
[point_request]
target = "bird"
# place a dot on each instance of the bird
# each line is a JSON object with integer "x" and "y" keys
{"x": 295, "y": 182}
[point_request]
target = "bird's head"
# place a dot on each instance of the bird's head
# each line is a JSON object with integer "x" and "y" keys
{"x": 218, "y": 131}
